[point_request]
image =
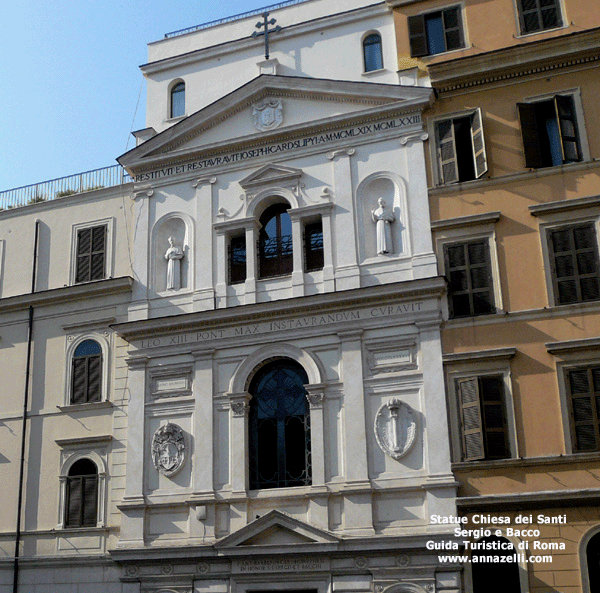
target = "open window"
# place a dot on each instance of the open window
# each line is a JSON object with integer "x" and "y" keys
{"x": 436, "y": 32}
{"x": 460, "y": 148}
{"x": 551, "y": 135}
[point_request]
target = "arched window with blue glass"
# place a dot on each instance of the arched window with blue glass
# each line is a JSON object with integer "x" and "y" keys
{"x": 372, "y": 54}
{"x": 86, "y": 373}
{"x": 279, "y": 427}
{"x": 177, "y": 100}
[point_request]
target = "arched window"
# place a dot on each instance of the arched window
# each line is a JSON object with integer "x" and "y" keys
{"x": 275, "y": 242}
{"x": 495, "y": 577}
{"x": 86, "y": 378}
{"x": 82, "y": 495}
{"x": 279, "y": 427}
{"x": 593, "y": 562}
{"x": 372, "y": 52}
{"x": 178, "y": 100}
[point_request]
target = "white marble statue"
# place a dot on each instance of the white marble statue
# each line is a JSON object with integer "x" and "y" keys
{"x": 174, "y": 255}
{"x": 383, "y": 219}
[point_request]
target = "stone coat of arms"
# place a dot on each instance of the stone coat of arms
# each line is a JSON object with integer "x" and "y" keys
{"x": 168, "y": 449}
{"x": 395, "y": 428}
{"x": 267, "y": 115}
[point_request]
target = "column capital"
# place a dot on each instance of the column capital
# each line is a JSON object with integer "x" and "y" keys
{"x": 239, "y": 403}
{"x": 207, "y": 180}
{"x": 315, "y": 394}
{"x": 348, "y": 152}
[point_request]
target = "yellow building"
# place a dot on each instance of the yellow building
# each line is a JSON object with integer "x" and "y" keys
{"x": 514, "y": 194}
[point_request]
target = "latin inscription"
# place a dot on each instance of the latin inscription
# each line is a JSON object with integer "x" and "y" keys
{"x": 272, "y": 149}
{"x": 171, "y": 384}
{"x": 280, "y": 565}
{"x": 283, "y": 325}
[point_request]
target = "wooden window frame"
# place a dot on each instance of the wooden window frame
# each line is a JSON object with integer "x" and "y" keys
{"x": 417, "y": 31}
{"x": 594, "y": 405}
{"x": 539, "y": 11}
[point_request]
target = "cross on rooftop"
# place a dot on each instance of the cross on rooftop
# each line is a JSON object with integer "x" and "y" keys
{"x": 267, "y": 31}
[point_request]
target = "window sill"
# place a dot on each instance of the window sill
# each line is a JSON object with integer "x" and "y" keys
{"x": 566, "y": 459}
{"x": 528, "y": 34}
{"x": 87, "y": 406}
{"x": 375, "y": 72}
{"x": 477, "y": 184}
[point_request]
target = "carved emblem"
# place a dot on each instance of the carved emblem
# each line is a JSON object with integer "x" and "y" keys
{"x": 168, "y": 449}
{"x": 268, "y": 115}
{"x": 395, "y": 428}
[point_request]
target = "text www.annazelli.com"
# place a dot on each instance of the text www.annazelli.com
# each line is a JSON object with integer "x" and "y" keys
{"x": 494, "y": 559}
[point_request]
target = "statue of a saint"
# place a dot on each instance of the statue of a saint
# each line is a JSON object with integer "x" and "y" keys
{"x": 383, "y": 220}
{"x": 174, "y": 255}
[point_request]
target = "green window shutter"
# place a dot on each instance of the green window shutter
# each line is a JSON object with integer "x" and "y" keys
{"x": 471, "y": 421}
{"x": 529, "y": 131}
{"x": 569, "y": 136}
{"x": 417, "y": 36}
{"x": 479, "y": 154}
{"x": 446, "y": 148}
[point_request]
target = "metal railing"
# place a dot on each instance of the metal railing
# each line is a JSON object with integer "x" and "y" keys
{"x": 235, "y": 17}
{"x": 63, "y": 186}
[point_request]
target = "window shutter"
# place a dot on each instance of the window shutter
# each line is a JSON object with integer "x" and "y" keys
{"x": 84, "y": 242}
{"x": 417, "y": 36}
{"x": 584, "y": 392}
{"x": 453, "y": 30}
{"x": 79, "y": 381}
{"x": 446, "y": 146}
{"x": 90, "y": 501}
{"x": 94, "y": 379}
{"x": 479, "y": 154}
{"x": 98, "y": 252}
{"x": 529, "y": 130}
{"x": 73, "y": 510}
{"x": 472, "y": 429}
{"x": 567, "y": 120}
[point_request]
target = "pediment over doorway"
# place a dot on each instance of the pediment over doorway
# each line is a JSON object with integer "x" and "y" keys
{"x": 277, "y": 529}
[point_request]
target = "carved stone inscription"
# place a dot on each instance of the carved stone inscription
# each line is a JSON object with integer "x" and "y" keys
{"x": 283, "y": 325}
{"x": 280, "y": 565}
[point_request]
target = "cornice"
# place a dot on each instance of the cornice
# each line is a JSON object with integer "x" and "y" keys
{"x": 478, "y": 355}
{"x": 565, "y": 205}
{"x": 57, "y": 296}
{"x": 371, "y": 296}
{"x": 463, "y": 221}
{"x": 528, "y": 58}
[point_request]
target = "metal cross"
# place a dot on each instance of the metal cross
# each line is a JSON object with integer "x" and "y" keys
{"x": 266, "y": 32}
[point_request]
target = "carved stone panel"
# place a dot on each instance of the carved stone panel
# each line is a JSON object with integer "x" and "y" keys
{"x": 168, "y": 449}
{"x": 395, "y": 428}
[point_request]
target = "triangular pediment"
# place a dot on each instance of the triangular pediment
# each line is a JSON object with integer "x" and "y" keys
{"x": 277, "y": 529}
{"x": 270, "y": 173}
{"x": 272, "y": 108}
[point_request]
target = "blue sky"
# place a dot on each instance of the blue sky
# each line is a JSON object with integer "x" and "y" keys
{"x": 70, "y": 78}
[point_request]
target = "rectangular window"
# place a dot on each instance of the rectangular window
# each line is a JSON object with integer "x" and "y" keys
{"x": 539, "y": 15}
{"x": 483, "y": 418}
{"x": 91, "y": 254}
{"x": 550, "y": 132}
{"x": 313, "y": 246}
{"x": 237, "y": 260}
{"x": 435, "y": 32}
{"x": 583, "y": 394}
{"x": 460, "y": 148}
{"x": 469, "y": 272}
{"x": 573, "y": 253}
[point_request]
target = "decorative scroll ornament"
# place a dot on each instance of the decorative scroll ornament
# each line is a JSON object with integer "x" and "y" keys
{"x": 168, "y": 449}
{"x": 268, "y": 115}
{"x": 395, "y": 428}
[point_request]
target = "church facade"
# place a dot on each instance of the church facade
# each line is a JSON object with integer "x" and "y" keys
{"x": 255, "y": 400}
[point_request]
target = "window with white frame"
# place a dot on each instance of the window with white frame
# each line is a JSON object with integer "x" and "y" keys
{"x": 467, "y": 256}
{"x": 460, "y": 148}
{"x": 372, "y": 52}
{"x": 436, "y": 32}
{"x": 574, "y": 263}
{"x": 480, "y": 404}
{"x": 91, "y": 250}
{"x": 539, "y": 15}
{"x": 551, "y": 130}
{"x": 177, "y": 100}
{"x": 582, "y": 389}
{"x": 82, "y": 499}
{"x": 86, "y": 373}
